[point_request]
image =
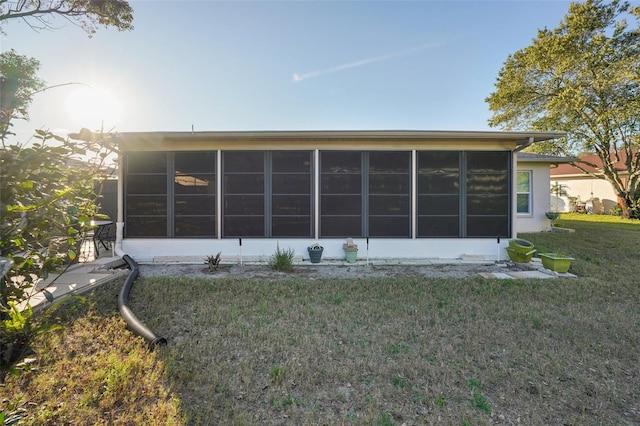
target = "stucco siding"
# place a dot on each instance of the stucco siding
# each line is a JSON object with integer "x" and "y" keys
{"x": 536, "y": 221}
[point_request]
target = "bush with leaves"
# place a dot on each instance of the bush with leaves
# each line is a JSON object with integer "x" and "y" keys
{"x": 46, "y": 203}
{"x": 47, "y": 200}
{"x": 282, "y": 260}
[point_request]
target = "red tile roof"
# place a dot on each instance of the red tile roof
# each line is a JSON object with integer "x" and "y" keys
{"x": 570, "y": 169}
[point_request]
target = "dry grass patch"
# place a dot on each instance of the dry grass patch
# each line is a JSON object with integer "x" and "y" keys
{"x": 95, "y": 372}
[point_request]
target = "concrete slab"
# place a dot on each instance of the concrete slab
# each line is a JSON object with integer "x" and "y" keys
{"x": 77, "y": 280}
{"x": 499, "y": 275}
{"x": 530, "y": 274}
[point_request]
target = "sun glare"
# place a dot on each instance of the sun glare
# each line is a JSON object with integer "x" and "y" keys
{"x": 94, "y": 108}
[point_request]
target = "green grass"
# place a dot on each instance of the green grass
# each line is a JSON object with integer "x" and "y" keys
{"x": 359, "y": 352}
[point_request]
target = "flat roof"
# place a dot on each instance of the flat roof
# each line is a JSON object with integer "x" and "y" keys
{"x": 521, "y": 139}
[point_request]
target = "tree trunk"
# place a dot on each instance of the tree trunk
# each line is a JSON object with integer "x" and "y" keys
{"x": 628, "y": 206}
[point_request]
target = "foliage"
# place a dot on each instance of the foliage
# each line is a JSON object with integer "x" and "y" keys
{"x": 18, "y": 81}
{"x": 584, "y": 78}
{"x": 282, "y": 260}
{"x": 213, "y": 262}
{"x": 46, "y": 203}
{"x": 19, "y": 327}
{"x": 87, "y": 14}
{"x": 93, "y": 360}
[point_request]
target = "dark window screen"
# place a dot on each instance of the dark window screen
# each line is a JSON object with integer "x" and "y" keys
{"x": 341, "y": 194}
{"x": 438, "y": 194}
{"x": 389, "y": 197}
{"x": 244, "y": 189}
{"x": 146, "y": 193}
{"x": 487, "y": 197}
{"x": 291, "y": 189}
{"x": 194, "y": 194}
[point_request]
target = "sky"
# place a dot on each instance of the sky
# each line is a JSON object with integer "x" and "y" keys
{"x": 280, "y": 65}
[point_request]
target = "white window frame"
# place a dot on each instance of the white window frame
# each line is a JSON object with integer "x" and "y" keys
{"x": 529, "y": 193}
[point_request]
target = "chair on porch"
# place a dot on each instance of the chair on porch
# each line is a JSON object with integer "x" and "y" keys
{"x": 104, "y": 235}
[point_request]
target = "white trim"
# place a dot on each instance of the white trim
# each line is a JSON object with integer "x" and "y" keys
{"x": 528, "y": 213}
{"x": 414, "y": 194}
{"x": 316, "y": 194}
{"x": 218, "y": 194}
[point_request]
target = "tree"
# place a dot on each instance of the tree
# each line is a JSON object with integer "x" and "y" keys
{"x": 87, "y": 14}
{"x": 18, "y": 82}
{"x": 46, "y": 201}
{"x": 582, "y": 77}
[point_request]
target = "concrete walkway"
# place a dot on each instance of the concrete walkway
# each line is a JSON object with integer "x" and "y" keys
{"x": 77, "y": 279}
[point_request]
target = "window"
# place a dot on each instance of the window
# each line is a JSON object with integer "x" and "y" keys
{"x": 146, "y": 192}
{"x": 194, "y": 197}
{"x": 244, "y": 189}
{"x": 291, "y": 189}
{"x": 267, "y": 194}
{"x": 439, "y": 194}
{"x": 270, "y": 194}
{"x": 365, "y": 194}
{"x": 341, "y": 194}
{"x": 389, "y": 198}
{"x": 523, "y": 195}
{"x": 487, "y": 197}
{"x": 170, "y": 194}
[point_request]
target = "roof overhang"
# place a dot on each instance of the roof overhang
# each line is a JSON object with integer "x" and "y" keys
{"x": 519, "y": 140}
{"x": 528, "y": 157}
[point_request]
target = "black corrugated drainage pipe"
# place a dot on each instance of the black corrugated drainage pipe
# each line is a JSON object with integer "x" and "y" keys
{"x": 123, "y": 306}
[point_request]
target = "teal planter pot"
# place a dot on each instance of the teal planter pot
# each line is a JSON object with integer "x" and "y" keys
{"x": 350, "y": 251}
{"x": 351, "y": 256}
{"x": 315, "y": 254}
{"x": 556, "y": 262}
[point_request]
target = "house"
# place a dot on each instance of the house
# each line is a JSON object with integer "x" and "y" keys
{"x": 585, "y": 187}
{"x": 533, "y": 189}
{"x": 398, "y": 194}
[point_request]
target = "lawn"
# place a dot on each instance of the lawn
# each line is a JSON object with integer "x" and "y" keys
{"x": 357, "y": 352}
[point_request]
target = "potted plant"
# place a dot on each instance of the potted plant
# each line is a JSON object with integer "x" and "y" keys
{"x": 556, "y": 262}
{"x": 520, "y": 250}
{"x": 350, "y": 250}
{"x": 520, "y": 256}
{"x": 315, "y": 252}
{"x": 552, "y": 216}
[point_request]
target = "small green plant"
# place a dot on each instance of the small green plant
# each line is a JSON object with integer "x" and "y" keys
{"x": 479, "y": 401}
{"x": 282, "y": 260}
{"x": 213, "y": 262}
{"x": 399, "y": 382}
{"x": 278, "y": 374}
{"x": 385, "y": 419}
{"x": 19, "y": 328}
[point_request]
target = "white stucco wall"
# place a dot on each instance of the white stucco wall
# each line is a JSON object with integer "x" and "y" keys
{"x": 536, "y": 221}
{"x": 586, "y": 188}
{"x": 192, "y": 250}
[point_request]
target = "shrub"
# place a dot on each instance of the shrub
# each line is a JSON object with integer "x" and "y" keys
{"x": 282, "y": 260}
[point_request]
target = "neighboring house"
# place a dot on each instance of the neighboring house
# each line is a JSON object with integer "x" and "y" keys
{"x": 586, "y": 187}
{"x": 398, "y": 194}
{"x": 533, "y": 189}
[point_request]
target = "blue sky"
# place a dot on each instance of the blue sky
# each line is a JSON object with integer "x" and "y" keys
{"x": 281, "y": 65}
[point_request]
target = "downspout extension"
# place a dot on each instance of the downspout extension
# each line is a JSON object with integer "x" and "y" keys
{"x": 129, "y": 317}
